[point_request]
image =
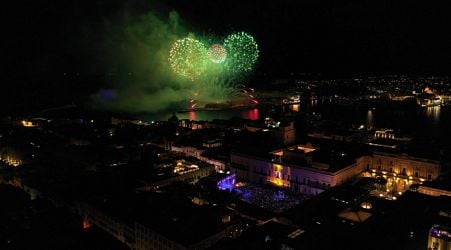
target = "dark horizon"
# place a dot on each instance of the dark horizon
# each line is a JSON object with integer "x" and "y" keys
{"x": 321, "y": 37}
{"x": 48, "y": 42}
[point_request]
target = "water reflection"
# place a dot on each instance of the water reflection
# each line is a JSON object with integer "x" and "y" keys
{"x": 313, "y": 105}
{"x": 252, "y": 114}
{"x": 314, "y": 102}
{"x": 192, "y": 115}
{"x": 434, "y": 113}
{"x": 370, "y": 119}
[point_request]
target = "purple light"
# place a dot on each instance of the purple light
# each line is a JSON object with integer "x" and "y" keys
{"x": 227, "y": 183}
{"x": 441, "y": 233}
{"x": 247, "y": 195}
{"x": 279, "y": 196}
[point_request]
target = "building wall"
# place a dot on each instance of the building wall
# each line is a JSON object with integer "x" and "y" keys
{"x": 120, "y": 231}
{"x": 433, "y": 191}
{"x": 439, "y": 243}
{"x": 135, "y": 236}
{"x": 146, "y": 238}
{"x": 197, "y": 153}
{"x": 355, "y": 137}
{"x": 212, "y": 144}
{"x": 297, "y": 178}
{"x": 246, "y": 167}
{"x": 189, "y": 151}
{"x": 191, "y": 177}
{"x": 285, "y": 135}
{"x": 310, "y": 180}
{"x": 402, "y": 165}
{"x": 347, "y": 173}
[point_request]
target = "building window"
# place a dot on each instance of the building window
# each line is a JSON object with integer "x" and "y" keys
{"x": 429, "y": 177}
{"x": 416, "y": 174}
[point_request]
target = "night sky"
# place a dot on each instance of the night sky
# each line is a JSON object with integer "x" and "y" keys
{"x": 42, "y": 40}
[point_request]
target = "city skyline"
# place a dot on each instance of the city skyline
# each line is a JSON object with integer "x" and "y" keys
{"x": 225, "y": 125}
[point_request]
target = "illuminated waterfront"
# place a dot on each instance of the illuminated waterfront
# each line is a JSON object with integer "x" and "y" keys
{"x": 426, "y": 123}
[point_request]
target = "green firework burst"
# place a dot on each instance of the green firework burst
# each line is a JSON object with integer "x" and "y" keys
{"x": 217, "y": 53}
{"x": 242, "y": 52}
{"x": 188, "y": 57}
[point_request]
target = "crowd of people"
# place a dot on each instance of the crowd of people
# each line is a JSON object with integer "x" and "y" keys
{"x": 271, "y": 199}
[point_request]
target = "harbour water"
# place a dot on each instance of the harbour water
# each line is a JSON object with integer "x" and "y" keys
{"x": 432, "y": 124}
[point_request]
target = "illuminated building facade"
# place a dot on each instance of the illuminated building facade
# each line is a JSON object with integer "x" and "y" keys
{"x": 385, "y": 134}
{"x": 433, "y": 191}
{"x": 191, "y": 175}
{"x": 439, "y": 238}
{"x": 293, "y": 168}
{"x": 13, "y": 157}
{"x": 198, "y": 153}
{"x": 400, "y": 170}
{"x": 212, "y": 143}
{"x": 297, "y": 169}
{"x": 295, "y": 99}
{"x": 428, "y": 100}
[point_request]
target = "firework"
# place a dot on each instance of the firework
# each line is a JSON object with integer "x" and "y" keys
{"x": 242, "y": 52}
{"x": 216, "y": 70}
{"x": 216, "y": 90}
{"x": 217, "y": 53}
{"x": 188, "y": 57}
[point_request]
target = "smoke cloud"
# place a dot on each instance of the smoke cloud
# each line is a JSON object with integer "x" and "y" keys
{"x": 136, "y": 47}
{"x": 139, "y": 72}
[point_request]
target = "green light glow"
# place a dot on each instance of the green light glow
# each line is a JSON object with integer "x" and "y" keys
{"x": 242, "y": 52}
{"x": 188, "y": 57}
{"x": 217, "y": 53}
{"x": 162, "y": 63}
